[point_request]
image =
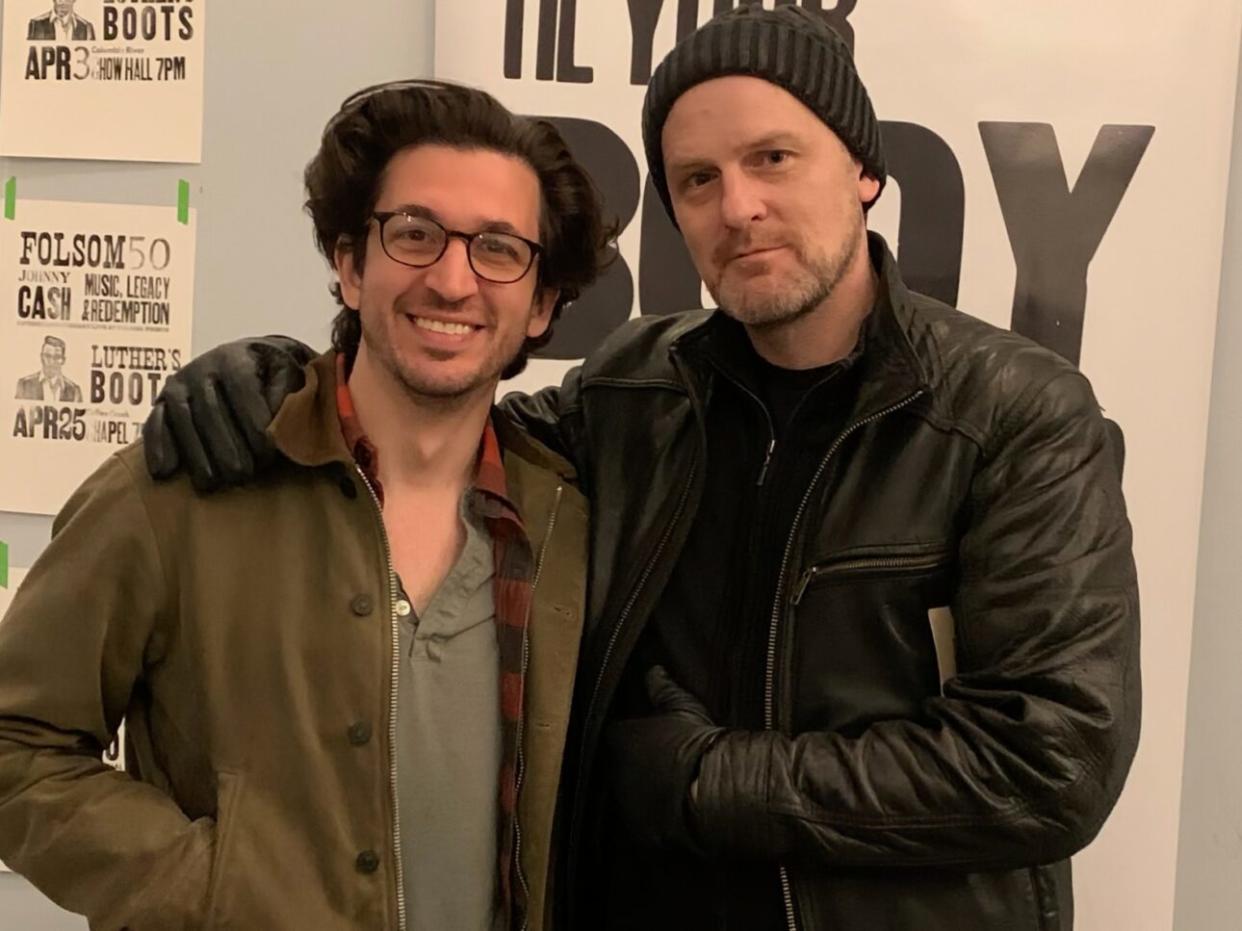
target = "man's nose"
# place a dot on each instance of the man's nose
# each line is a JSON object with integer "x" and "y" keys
{"x": 451, "y": 277}
{"x": 741, "y": 200}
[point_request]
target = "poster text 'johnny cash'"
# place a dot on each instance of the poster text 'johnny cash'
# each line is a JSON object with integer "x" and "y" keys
{"x": 139, "y": 298}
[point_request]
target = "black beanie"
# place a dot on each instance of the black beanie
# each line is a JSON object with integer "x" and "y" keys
{"x": 789, "y": 47}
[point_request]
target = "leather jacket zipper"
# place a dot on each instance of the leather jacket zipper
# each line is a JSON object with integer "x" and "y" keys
{"x": 767, "y": 416}
{"x": 767, "y": 461}
{"x": 863, "y": 564}
{"x": 521, "y": 755}
{"x": 769, "y": 681}
{"x": 395, "y": 672}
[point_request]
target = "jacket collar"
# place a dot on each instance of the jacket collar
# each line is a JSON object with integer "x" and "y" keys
{"x": 516, "y": 442}
{"x": 891, "y": 369}
{"x": 307, "y": 428}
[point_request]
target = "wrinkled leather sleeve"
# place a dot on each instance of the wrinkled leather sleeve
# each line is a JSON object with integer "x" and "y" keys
{"x": 73, "y": 643}
{"x": 553, "y": 416}
{"x": 1025, "y": 754}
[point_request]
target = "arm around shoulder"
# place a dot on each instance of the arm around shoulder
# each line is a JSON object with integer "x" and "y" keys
{"x": 553, "y": 416}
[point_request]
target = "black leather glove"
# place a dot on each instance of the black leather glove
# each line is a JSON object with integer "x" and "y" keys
{"x": 654, "y": 762}
{"x": 212, "y": 415}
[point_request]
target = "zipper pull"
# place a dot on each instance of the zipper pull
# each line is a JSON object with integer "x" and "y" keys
{"x": 803, "y": 582}
{"x": 767, "y": 461}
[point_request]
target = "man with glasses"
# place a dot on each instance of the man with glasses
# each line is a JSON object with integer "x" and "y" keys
{"x": 346, "y": 686}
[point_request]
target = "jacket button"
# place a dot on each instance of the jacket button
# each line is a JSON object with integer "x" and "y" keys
{"x": 367, "y": 862}
{"x": 361, "y": 605}
{"x": 359, "y": 733}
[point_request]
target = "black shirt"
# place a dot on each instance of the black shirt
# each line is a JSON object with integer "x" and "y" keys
{"x": 768, "y": 429}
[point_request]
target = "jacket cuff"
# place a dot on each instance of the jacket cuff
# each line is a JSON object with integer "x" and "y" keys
{"x": 729, "y": 814}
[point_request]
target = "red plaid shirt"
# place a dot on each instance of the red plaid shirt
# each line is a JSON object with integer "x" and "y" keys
{"x": 513, "y": 590}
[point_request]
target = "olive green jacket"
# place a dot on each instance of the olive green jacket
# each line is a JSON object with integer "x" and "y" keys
{"x": 246, "y": 638}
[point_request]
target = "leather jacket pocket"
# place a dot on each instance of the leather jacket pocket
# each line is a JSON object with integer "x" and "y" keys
{"x": 864, "y": 648}
{"x": 917, "y": 561}
{"x": 228, "y": 792}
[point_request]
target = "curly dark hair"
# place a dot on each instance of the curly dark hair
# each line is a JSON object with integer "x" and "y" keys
{"x": 343, "y": 182}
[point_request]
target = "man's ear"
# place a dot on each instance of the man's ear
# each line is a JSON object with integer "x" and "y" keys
{"x": 541, "y": 312}
{"x": 348, "y": 272}
{"x": 868, "y": 186}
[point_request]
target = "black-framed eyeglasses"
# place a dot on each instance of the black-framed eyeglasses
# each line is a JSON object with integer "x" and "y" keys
{"x": 501, "y": 258}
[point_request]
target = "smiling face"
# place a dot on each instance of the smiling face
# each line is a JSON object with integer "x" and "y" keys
{"x": 442, "y": 331}
{"x": 62, "y": 8}
{"x": 768, "y": 198}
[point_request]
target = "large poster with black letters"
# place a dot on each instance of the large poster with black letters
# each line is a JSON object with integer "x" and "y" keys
{"x": 109, "y": 79}
{"x": 1058, "y": 168}
{"x": 98, "y": 314}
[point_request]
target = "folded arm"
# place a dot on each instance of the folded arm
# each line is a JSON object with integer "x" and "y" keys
{"x": 1024, "y": 755}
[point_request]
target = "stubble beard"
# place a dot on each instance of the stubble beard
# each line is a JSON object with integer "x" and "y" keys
{"x": 421, "y": 387}
{"x": 813, "y": 282}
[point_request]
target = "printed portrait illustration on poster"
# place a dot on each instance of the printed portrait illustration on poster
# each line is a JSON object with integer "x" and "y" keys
{"x": 106, "y": 79}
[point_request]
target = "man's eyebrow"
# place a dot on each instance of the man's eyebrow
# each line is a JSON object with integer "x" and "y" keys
{"x": 417, "y": 210}
{"x": 487, "y": 225}
{"x": 772, "y": 140}
{"x": 500, "y": 226}
{"x": 683, "y": 165}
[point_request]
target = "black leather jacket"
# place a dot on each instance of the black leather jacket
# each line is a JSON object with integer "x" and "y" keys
{"x": 976, "y": 473}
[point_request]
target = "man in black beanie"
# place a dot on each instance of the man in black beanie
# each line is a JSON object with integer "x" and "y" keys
{"x": 861, "y": 651}
{"x": 791, "y": 738}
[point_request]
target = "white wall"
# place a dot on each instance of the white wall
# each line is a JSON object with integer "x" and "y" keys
{"x": 1209, "y": 875}
{"x": 276, "y": 70}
